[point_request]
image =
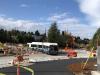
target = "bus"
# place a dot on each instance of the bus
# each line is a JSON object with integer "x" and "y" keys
{"x": 45, "y": 47}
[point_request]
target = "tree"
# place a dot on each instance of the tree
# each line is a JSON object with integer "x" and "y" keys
{"x": 85, "y": 41}
{"x": 62, "y": 41}
{"x": 78, "y": 40}
{"x": 37, "y": 33}
{"x": 63, "y": 33}
{"x": 95, "y": 40}
{"x": 15, "y": 36}
{"x": 53, "y": 33}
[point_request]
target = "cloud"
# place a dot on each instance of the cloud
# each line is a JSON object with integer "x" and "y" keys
{"x": 92, "y": 10}
{"x": 63, "y": 20}
{"x": 72, "y": 24}
{"x": 69, "y": 21}
{"x": 78, "y": 29}
{"x": 24, "y": 5}
{"x": 23, "y": 25}
{"x": 2, "y": 15}
{"x": 56, "y": 17}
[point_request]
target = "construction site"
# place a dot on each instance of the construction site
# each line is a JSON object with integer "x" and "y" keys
{"x": 67, "y": 61}
{"x": 49, "y": 37}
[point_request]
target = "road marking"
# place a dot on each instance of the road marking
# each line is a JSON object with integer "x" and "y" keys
{"x": 28, "y": 69}
{"x": 2, "y": 74}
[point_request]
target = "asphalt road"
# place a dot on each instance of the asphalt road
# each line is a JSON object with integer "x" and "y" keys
{"x": 58, "y": 67}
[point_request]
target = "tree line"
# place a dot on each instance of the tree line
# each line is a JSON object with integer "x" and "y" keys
{"x": 63, "y": 38}
{"x": 16, "y": 36}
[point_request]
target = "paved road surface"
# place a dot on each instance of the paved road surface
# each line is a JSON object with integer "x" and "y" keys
{"x": 41, "y": 57}
{"x": 58, "y": 67}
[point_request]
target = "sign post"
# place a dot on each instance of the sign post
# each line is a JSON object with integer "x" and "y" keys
{"x": 18, "y": 69}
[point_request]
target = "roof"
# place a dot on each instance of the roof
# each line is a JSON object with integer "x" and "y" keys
{"x": 38, "y": 38}
{"x": 43, "y": 43}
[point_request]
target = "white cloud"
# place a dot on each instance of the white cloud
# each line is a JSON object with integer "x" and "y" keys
{"x": 69, "y": 21}
{"x": 92, "y": 10}
{"x": 73, "y": 25}
{"x": 78, "y": 29}
{"x": 23, "y": 25}
{"x": 64, "y": 22}
{"x": 56, "y": 17}
{"x": 2, "y": 15}
{"x": 24, "y": 5}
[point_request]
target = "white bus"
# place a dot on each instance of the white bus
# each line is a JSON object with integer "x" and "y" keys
{"x": 46, "y": 47}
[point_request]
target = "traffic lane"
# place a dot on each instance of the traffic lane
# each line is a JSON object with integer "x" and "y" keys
{"x": 54, "y": 73}
{"x": 51, "y": 68}
{"x": 13, "y": 71}
{"x": 58, "y": 67}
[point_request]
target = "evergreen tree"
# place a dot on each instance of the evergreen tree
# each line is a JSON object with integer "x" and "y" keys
{"x": 37, "y": 33}
{"x": 53, "y": 33}
{"x": 96, "y": 39}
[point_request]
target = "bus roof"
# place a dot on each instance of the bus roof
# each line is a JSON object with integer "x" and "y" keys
{"x": 43, "y": 43}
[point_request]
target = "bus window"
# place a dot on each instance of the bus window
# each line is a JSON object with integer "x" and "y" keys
{"x": 53, "y": 47}
{"x": 45, "y": 48}
{"x": 33, "y": 46}
{"x": 40, "y": 46}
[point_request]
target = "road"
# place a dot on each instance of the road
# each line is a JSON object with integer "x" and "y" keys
{"x": 57, "y": 67}
{"x": 40, "y": 57}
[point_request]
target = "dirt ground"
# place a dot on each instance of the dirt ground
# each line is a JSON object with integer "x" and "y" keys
{"x": 77, "y": 68}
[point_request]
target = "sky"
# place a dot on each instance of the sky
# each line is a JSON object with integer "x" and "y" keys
{"x": 80, "y": 17}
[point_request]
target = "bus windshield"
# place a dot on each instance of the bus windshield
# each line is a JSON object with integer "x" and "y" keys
{"x": 52, "y": 47}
